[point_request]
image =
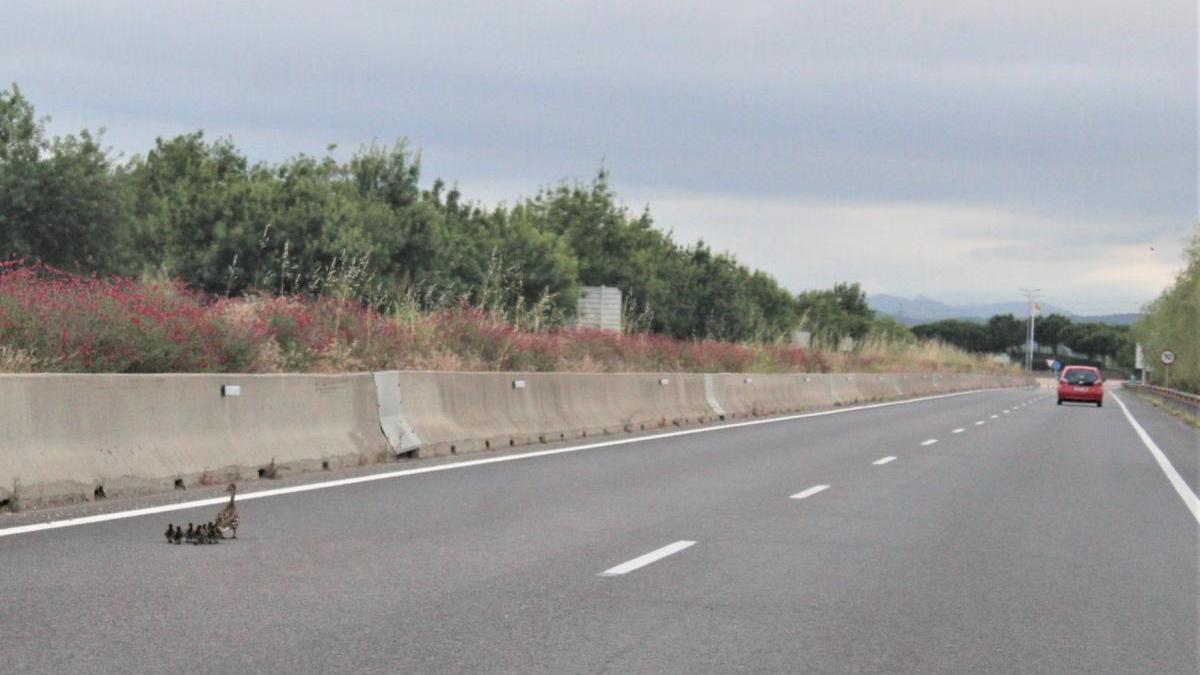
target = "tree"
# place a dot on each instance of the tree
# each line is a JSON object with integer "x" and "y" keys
{"x": 1099, "y": 340}
{"x": 59, "y": 200}
{"x": 543, "y": 265}
{"x": 966, "y": 335}
{"x": 1005, "y": 332}
{"x": 687, "y": 292}
{"x": 778, "y": 308}
{"x": 1050, "y": 330}
{"x": 200, "y": 212}
{"x": 836, "y": 313}
{"x": 1172, "y": 321}
{"x": 890, "y": 330}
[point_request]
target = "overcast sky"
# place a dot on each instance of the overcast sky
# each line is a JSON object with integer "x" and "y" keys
{"x": 960, "y": 149}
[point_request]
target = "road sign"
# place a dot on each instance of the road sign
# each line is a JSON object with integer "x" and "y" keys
{"x": 1139, "y": 358}
{"x": 1167, "y": 357}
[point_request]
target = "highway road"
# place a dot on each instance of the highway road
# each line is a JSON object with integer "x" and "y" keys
{"x": 987, "y": 532}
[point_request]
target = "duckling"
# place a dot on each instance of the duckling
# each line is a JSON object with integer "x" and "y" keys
{"x": 228, "y": 519}
{"x": 214, "y": 535}
{"x": 191, "y": 534}
{"x": 178, "y": 535}
{"x": 170, "y": 532}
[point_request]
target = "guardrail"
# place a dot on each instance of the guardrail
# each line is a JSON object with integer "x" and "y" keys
{"x": 1182, "y": 398}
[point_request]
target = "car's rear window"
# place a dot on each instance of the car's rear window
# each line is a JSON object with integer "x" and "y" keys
{"x": 1081, "y": 376}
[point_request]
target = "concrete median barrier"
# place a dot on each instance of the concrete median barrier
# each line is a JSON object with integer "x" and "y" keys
{"x": 876, "y": 387}
{"x": 845, "y": 388}
{"x": 741, "y": 395}
{"x": 455, "y": 413}
{"x": 920, "y": 385}
{"x": 69, "y": 438}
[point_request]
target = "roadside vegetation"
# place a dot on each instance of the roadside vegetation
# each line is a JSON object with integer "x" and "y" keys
{"x": 56, "y": 321}
{"x": 192, "y": 258}
{"x": 199, "y": 211}
{"x": 1097, "y": 344}
{"x": 1172, "y": 322}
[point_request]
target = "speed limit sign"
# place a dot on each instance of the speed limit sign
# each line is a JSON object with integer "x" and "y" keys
{"x": 1167, "y": 357}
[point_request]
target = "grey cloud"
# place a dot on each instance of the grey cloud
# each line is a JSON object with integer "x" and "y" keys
{"x": 1081, "y": 114}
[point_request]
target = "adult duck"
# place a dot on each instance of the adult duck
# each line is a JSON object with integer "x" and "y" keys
{"x": 228, "y": 519}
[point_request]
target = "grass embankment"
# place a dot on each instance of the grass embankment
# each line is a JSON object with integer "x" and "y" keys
{"x": 52, "y": 321}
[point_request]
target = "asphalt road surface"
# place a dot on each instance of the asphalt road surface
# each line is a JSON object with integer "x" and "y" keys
{"x": 1005, "y": 535}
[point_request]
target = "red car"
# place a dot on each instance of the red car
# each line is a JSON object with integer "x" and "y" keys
{"x": 1081, "y": 383}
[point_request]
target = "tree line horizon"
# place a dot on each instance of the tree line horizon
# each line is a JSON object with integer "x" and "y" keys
{"x": 202, "y": 212}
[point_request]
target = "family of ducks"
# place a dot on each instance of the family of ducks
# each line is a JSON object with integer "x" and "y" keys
{"x": 211, "y": 532}
{"x": 206, "y": 533}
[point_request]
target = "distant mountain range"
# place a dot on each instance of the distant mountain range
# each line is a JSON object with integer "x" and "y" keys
{"x": 912, "y": 311}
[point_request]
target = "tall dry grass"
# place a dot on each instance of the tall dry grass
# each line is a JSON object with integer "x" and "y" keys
{"x": 884, "y": 355}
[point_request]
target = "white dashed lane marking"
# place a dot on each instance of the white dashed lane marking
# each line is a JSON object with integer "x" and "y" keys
{"x": 884, "y": 460}
{"x": 929, "y": 442}
{"x": 810, "y": 492}
{"x": 958, "y": 430}
{"x": 643, "y": 560}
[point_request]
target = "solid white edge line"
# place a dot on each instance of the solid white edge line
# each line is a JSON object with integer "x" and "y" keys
{"x": 929, "y": 442}
{"x": 809, "y": 492}
{"x": 1185, "y": 493}
{"x": 643, "y": 560}
{"x": 885, "y": 460}
{"x": 249, "y": 496}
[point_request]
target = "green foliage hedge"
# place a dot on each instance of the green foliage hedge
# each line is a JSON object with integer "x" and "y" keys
{"x": 201, "y": 212}
{"x": 1173, "y": 322}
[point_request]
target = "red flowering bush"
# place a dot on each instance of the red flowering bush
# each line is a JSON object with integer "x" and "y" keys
{"x": 57, "y": 321}
{"x": 84, "y": 324}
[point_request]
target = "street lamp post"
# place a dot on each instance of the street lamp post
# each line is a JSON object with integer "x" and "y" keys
{"x": 1031, "y": 295}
